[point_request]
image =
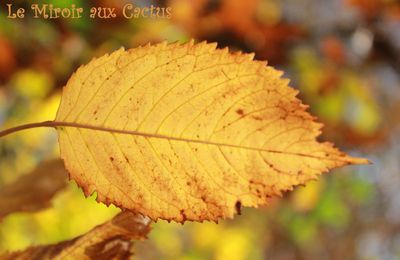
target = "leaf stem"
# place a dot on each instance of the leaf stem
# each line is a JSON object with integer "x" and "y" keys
{"x": 27, "y": 126}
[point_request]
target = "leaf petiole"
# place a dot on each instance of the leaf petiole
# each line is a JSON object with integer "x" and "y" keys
{"x": 27, "y": 126}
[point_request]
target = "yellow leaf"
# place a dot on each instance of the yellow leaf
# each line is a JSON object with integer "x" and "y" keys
{"x": 188, "y": 132}
{"x": 111, "y": 240}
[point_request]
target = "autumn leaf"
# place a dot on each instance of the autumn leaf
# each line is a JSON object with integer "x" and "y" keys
{"x": 111, "y": 240}
{"x": 33, "y": 191}
{"x": 187, "y": 132}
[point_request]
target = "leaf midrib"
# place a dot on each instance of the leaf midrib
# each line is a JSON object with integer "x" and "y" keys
{"x": 58, "y": 124}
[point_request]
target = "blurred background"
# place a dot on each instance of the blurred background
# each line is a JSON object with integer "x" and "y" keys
{"x": 343, "y": 56}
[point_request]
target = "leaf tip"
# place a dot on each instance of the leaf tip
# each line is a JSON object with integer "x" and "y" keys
{"x": 360, "y": 161}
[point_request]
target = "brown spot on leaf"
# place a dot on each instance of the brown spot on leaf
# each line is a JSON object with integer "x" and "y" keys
{"x": 240, "y": 112}
{"x": 184, "y": 217}
{"x": 238, "y": 207}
